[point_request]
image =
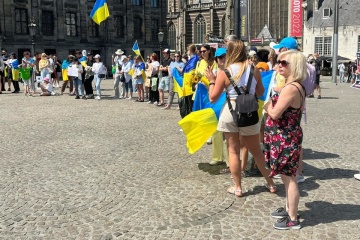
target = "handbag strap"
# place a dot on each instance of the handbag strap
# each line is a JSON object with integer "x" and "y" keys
{"x": 232, "y": 81}
{"x": 251, "y": 75}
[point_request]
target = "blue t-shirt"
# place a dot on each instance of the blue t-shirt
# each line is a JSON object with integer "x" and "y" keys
{"x": 175, "y": 64}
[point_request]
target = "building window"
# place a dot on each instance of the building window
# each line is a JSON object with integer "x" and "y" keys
{"x": 119, "y": 1}
{"x": 136, "y": 2}
{"x": 21, "y": 21}
{"x": 119, "y": 26}
{"x": 47, "y": 23}
{"x": 223, "y": 26}
{"x": 323, "y": 46}
{"x": 138, "y": 34}
{"x": 70, "y": 20}
{"x": 199, "y": 29}
{"x": 172, "y": 36}
{"x": 93, "y": 29}
{"x": 154, "y": 29}
{"x": 154, "y": 3}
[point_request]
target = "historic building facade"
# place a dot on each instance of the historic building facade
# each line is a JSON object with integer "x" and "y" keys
{"x": 319, "y": 28}
{"x": 64, "y": 25}
{"x": 189, "y": 21}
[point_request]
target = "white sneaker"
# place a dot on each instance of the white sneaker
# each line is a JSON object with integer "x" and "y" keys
{"x": 53, "y": 93}
{"x": 98, "y": 98}
{"x": 155, "y": 103}
{"x": 357, "y": 176}
{"x": 277, "y": 176}
{"x": 149, "y": 102}
{"x": 300, "y": 178}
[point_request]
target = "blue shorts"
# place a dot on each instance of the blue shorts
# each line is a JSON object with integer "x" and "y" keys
{"x": 164, "y": 83}
{"x": 139, "y": 81}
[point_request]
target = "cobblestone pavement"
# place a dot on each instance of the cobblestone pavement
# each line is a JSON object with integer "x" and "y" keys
{"x": 117, "y": 169}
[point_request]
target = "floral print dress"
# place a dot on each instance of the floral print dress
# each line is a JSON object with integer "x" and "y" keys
{"x": 282, "y": 140}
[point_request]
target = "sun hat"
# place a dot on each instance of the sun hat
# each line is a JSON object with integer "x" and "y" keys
{"x": 119, "y": 52}
{"x": 288, "y": 42}
{"x": 252, "y": 53}
{"x": 122, "y": 58}
{"x": 220, "y": 51}
{"x": 46, "y": 79}
{"x": 97, "y": 56}
{"x": 263, "y": 65}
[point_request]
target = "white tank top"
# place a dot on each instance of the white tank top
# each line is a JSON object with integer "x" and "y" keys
{"x": 235, "y": 68}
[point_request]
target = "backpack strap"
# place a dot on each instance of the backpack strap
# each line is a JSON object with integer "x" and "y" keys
{"x": 232, "y": 81}
{"x": 251, "y": 75}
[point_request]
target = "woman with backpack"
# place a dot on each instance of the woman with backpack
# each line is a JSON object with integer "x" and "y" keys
{"x": 240, "y": 73}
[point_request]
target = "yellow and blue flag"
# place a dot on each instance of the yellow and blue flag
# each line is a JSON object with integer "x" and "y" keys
{"x": 136, "y": 50}
{"x": 100, "y": 11}
{"x": 202, "y": 123}
{"x": 188, "y": 75}
{"x": 267, "y": 78}
{"x": 178, "y": 82}
{"x": 83, "y": 61}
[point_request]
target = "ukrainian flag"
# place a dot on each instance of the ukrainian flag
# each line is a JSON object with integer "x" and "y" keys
{"x": 178, "y": 82}
{"x": 184, "y": 84}
{"x": 100, "y": 11}
{"x": 136, "y": 50}
{"x": 83, "y": 61}
{"x": 267, "y": 77}
{"x": 202, "y": 123}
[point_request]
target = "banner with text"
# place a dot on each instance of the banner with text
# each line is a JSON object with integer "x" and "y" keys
{"x": 244, "y": 20}
{"x": 296, "y": 19}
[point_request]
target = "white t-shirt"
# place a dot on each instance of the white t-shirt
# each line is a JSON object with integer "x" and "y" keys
{"x": 51, "y": 64}
{"x": 154, "y": 65}
{"x": 49, "y": 87}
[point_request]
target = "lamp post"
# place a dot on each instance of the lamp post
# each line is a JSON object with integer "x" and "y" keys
{"x": 335, "y": 42}
{"x": 160, "y": 38}
{"x": 32, "y": 29}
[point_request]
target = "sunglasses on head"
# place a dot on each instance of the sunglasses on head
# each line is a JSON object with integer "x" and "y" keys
{"x": 283, "y": 63}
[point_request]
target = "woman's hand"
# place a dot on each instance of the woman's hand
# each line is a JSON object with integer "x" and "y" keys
{"x": 209, "y": 74}
{"x": 266, "y": 106}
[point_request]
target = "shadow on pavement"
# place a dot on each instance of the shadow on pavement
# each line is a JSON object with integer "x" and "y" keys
{"x": 309, "y": 154}
{"x": 321, "y": 212}
{"x": 213, "y": 170}
{"x": 329, "y": 97}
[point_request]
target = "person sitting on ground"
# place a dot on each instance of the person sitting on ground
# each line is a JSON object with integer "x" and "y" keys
{"x": 46, "y": 87}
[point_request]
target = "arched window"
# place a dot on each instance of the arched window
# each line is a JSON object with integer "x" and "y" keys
{"x": 172, "y": 36}
{"x": 199, "y": 29}
{"x": 223, "y": 26}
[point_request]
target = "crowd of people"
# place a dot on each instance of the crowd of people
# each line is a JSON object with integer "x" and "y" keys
{"x": 275, "y": 141}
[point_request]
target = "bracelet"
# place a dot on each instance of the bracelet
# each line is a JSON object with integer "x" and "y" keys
{"x": 212, "y": 83}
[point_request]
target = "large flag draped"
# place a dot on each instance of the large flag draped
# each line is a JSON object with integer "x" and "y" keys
{"x": 100, "y": 11}
{"x": 201, "y": 124}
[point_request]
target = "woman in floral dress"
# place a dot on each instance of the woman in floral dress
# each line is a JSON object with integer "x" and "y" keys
{"x": 283, "y": 134}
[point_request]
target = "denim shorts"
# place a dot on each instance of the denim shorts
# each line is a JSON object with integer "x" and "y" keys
{"x": 139, "y": 81}
{"x": 164, "y": 83}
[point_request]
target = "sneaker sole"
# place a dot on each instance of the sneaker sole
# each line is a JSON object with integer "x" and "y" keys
{"x": 301, "y": 180}
{"x": 287, "y": 228}
{"x": 280, "y": 217}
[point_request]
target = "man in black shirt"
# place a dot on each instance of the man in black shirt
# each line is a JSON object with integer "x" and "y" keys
{"x": 164, "y": 84}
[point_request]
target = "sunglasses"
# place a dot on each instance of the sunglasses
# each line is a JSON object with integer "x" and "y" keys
{"x": 203, "y": 51}
{"x": 221, "y": 57}
{"x": 283, "y": 63}
{"x": 177, "y": 56}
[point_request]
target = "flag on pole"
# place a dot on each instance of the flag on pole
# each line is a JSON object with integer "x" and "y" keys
{"x": 136, "y": 50}
{"x": 100, "y": 11}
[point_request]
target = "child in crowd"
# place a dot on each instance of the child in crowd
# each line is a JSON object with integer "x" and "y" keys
{"x": 46, "y": 87}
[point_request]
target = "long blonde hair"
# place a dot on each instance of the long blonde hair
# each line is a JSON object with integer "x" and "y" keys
{"x": 297, "y": 64}
{"x": 236, "y": 53}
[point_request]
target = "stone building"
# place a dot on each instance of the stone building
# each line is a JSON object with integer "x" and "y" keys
{"x": 319, "y": 28}
{"x": 189, "y": 21}
{"x": 64, "y": 25}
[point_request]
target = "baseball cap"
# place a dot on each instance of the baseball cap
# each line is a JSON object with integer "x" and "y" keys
{"x": 220, "y": 51}
{"x": 288, "y": 42}
{"x": 252, "y": 53}
{"x": 166, "y": 50}
{"x": 46, "y": 79}
{"x": 97, "y": 56}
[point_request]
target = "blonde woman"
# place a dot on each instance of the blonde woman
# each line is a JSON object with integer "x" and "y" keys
{"x": 237, "y": 65}
{"x": 44, "y": 66}
{"x": 283, "y": 134}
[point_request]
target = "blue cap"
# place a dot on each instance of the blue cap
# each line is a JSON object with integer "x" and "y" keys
{"x": 288, "y": 42}
{"x": 253, "y": 48}
{"x": 220, "y": 51}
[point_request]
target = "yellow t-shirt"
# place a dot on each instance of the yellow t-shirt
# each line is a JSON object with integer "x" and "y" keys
{"x": 200, "y": 71}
